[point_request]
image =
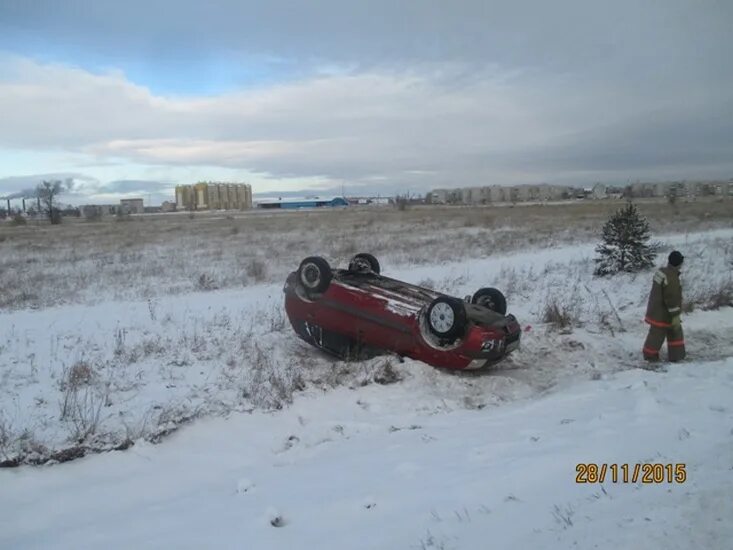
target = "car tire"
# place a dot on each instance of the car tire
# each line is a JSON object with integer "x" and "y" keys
{"x": 446, "y": 318}
{"x": 364, "y": 263}
{"x": 490, "y": 298}
{"x": 314, "y": 274}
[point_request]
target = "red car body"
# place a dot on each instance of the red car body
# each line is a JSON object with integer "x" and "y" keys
{"x": 368, "y": 310}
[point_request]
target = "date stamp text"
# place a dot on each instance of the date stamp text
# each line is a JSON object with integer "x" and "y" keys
{"x": 630, "y": 473}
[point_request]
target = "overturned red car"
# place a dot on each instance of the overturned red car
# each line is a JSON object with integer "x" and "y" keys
{"x": 357, "y": 312}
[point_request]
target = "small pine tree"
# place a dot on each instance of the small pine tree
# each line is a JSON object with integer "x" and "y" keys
{"x": 625, "y": 246}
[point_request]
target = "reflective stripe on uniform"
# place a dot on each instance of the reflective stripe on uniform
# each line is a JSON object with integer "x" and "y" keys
{"x": 674, "y": 310}
{"x": 650, "y": 351}
{"x": 675, "y": 343}
{"x": 654, "y": 323}
{"x": 660, "y": 278}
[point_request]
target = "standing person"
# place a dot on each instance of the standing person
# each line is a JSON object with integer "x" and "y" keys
{"x": 663, "y": 312}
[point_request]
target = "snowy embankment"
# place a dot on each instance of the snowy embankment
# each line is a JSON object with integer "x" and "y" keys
{"x": 397, "y": 467}
{"x": 82, "y": 377}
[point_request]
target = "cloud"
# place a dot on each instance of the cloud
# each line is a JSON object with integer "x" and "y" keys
{"x": 340, "y": 127}
{"x": 393, "y": 94}
{"x": 80, "y": 188}
{"x": 135, "y": 186}
{"x": 622, "y": 36}
{"x": 18, "y": 187}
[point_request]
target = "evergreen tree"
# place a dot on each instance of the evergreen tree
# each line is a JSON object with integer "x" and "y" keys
{"x": 625, "y": 245}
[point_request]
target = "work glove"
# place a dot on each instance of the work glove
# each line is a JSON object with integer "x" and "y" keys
{"x": 676, "y": 322}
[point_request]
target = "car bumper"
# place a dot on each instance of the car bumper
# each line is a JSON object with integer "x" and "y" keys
{"x": 483, "y": 358}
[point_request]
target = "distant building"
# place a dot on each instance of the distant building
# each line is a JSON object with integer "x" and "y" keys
{"x": 492, "y": 194}
{"x": 497, "y": 193}
{"x": 599, "y": 191}
{"x": 438, "y": 196}
{"x": 307, "y": 202}
{"x": 132, "y": 206}
{"x": 369, "y": 200}
{"x": 92, "y": 211}
{"x": 383, "y": 201}
{"x": 168, "y": 206}
{"x": 214, "y": 196}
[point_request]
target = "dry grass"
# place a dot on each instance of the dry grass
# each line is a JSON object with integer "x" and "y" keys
{"x": 79, "y": 374}
{"x": 710, "y": 296}
{"x": 82, "y": 400}
{"x": 559, "y": 315}
{"x": 153, "y": 255}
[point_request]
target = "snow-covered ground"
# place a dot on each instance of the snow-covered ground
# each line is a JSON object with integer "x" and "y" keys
{"x": 434, "y": 460}
{"x": 398, "y": 467}
{"x": 107, "y": 374}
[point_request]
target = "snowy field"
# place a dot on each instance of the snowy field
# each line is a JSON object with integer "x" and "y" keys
{"x": 399, "y": 466}
{"x": 228, "y": 422}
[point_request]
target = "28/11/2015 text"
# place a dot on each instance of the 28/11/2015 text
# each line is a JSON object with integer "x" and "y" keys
{"x": 630, "y": 473}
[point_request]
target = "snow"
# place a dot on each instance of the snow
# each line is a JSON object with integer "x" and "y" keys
{"x": 286, "y": 448}
{"x": 392, "y": 467}
{"x": 164, "y": 360}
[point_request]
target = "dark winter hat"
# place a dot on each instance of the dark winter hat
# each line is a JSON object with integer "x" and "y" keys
{"x": 676, "y": 258}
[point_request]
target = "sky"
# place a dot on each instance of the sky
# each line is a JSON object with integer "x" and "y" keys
{"x": 128, "y": 99}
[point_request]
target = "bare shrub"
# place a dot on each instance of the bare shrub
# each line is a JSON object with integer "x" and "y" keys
{"x": 170, "y": 418}
{"x": 386, "y": 373}
{"x": 270, "y": 383}
{"x": 6, "y": 437}
{"x": 82, "y": 402}
{"x": 606, "y": 313}
{"x": 136, "y": 431}
{"x": 275, "y": 320}
{"x": 401, "y": 202}
{"x": 47, "y": 191}
{"x": 560, "y": 314}
{"x": 120, "y": 335}
{"x": 152, "y": 309}
{"x": 205, "y": 282}
{"x": 152, "y": 346}
{"x": 711, "y": 297}
{"x": 78, "y": 375}
{"x": 29, "y": 448}
{"x": 257, "y": 270}
{"x": 18, "y": 219}
{"x": 82, "y": 409}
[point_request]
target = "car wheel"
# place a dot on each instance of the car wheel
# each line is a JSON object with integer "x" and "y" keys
{"x": 490, "y": 298}
{"x": 314, "y": 274}
{"x": 446, "y": 318}
{"x": 364, "y": 263}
